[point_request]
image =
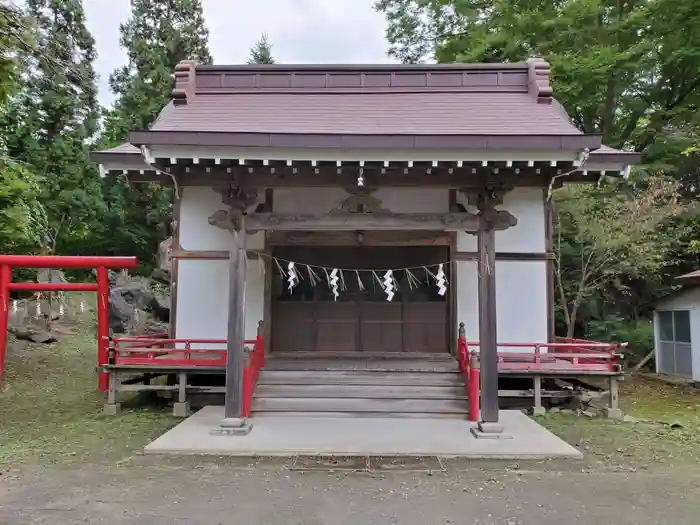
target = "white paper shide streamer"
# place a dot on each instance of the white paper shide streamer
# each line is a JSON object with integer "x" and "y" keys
{"x": 292, "y": 277}
{"x": 334, "y": 283}
{"x": 389, "y": 285}
{"x": 441, "y": 281}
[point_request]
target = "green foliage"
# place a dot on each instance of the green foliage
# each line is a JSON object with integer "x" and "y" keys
{"x": 261, "y": 52}
{"x": 609, "y": 239}
{"x": 20, "y": 209}
{"x": 52, "y": 119}
{"x": 159, "y": 34}
{"x": 626, "y": 70}
{"x": 638, "y": 333}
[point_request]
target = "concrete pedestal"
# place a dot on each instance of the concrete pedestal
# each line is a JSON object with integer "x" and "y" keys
{"x": 112, "y": 409}
{"x": 181, "y": 409}
{"x": 233, "y": 427}
{"x": 485, "y": 430}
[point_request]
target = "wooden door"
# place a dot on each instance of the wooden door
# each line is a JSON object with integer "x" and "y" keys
{"x": 309, "y": 318}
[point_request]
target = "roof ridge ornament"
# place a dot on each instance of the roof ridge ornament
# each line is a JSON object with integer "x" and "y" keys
{"x": 538, "y": 79}
{"x": 185, "y": 85}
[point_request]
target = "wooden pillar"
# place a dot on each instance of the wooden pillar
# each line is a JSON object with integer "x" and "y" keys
{"x": 487, "y": 324}
{"x": 237, "y": 199}
{"x": 490, "y": 221}
{"x": 235, "y": 351}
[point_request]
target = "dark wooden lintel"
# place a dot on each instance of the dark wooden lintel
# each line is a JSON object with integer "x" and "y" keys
{"x": 507, "y": 256}
{"x": 204, "y": 255}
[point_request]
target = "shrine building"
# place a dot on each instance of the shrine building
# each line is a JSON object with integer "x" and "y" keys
{"x": 362, "y": 212}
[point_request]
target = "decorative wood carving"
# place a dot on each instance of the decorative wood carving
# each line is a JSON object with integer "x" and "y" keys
{"x": 486, "y": 199}
{"x": 361, "y": 201}
{"x": 238, "y": 198}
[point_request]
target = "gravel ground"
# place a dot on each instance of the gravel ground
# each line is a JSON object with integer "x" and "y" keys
{"x": 211, "y": 491}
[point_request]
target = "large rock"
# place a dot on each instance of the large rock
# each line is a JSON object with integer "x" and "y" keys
{"x": 131, "y": 300}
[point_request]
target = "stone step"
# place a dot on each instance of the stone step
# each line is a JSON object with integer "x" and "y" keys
{"x": 346, "y": 377}
{"x": 360, "y": 391}
{"x": 363, "y": 356}
{"x": 370, "y": 365}
{"x": 361, "y": 406}
{"x": 392, "y": 415}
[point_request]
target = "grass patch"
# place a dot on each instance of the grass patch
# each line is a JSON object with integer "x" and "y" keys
{"x": 668, "y": 431}
{"x": 50, "y": 409}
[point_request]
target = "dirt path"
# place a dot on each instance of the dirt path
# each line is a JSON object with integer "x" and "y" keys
{"x": 246, "y": 492}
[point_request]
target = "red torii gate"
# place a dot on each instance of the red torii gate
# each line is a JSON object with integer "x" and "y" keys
{"x": 101, "y": 264}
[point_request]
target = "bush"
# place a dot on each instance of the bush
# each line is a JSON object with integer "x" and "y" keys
{"x": 638, "y": 333}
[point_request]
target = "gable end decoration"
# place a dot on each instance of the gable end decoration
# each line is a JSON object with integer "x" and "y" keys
{"x": 538, "y": 72}
{"x": 185, "y": 85}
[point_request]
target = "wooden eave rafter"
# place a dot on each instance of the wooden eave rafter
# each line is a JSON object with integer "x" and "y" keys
{"x": 280, "y": 172}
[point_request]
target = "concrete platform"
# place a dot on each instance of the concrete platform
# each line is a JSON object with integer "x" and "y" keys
{"x": 351, "y": 436}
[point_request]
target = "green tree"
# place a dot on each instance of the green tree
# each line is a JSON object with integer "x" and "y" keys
{"x": 610, "y": 237}
{"x": 159, "y": 34}
{"x": 626, "y": 69}
{"x": 261, "y": 52}
{"x": 50, "y": 123}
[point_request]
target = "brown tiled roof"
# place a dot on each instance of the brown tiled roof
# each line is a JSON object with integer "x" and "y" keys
{"x": 427, "y": 106}
{"x": 451, "y": 113}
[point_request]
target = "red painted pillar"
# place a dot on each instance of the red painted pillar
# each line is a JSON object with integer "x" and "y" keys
{"x": 102, "y": 326}
{"x": 5, "y": 278}
{"x": 474, "y": 388}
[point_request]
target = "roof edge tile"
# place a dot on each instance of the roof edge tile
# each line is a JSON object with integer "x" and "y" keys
{"x": 185, "y": 82}
{"x": 538, "y": 80}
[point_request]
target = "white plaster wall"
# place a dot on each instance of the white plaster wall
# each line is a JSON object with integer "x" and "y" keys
{"x": 684, "y": 300}
{"x": 320, "y": 200}
{"x": 202, "y": 299}
{"x": 196, "y": 234}
{"x": 521, "y": 301}
{"x": 527, "y": 236}
{"x": 202, "y": 287}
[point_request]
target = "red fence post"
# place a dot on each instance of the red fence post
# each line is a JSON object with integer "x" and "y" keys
{"x": 102, "y": 326}
{"x": 5, "y": 278}
{"x": 473, "y": 387}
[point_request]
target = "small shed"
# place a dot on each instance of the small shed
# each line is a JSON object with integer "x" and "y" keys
{"x": 677, "y": 330}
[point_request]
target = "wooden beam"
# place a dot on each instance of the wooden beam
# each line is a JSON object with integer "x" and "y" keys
{"x": 507, "y": 256}
{"x": 410, "y": 177}
{"x": 353, "y": 238}
{"x": 346, "y": 221}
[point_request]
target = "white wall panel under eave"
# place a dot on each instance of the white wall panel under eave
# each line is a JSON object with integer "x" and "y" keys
{"x": 202, "y": 298}
{"x": 521, "y": 301}
{"x": 527, "y": 236}
{"x": 197, "y": 204}
{"x": 399, "y": 200}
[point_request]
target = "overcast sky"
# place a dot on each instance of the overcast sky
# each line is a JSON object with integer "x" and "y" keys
{"x": 301, "y": 31}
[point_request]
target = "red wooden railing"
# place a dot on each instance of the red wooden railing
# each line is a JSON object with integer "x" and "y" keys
{"x": 251, "y": 372}
{"x": 100, "y": 264}
{"x": 470, "y": 369}
{"x": 582, "y": 356}
{"x": 566, "y": 354}
{"x": 158, "y": 351}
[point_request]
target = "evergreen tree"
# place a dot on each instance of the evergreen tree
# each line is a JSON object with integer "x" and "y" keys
{"x": 261, "y": 52}
{"x": 159, "y": 34}
{"x": 51, "y": 121}
{"x": 19, "y": 185}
